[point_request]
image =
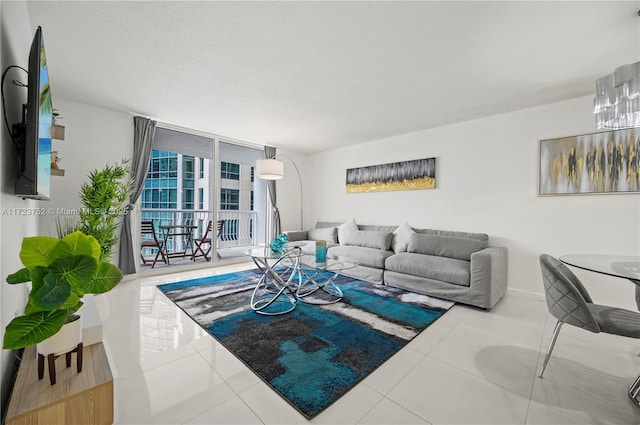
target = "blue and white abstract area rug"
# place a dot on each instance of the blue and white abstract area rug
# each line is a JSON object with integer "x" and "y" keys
{"x": 316, "y": 353}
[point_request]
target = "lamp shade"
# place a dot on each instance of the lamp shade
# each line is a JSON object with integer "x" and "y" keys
{"x": 269, "y": 169}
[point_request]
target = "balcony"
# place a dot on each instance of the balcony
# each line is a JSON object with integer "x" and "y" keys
{"x": 238, "y": 233}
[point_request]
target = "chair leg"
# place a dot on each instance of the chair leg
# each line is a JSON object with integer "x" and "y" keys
{"x": 160, "y": 254}
{"x": 198, "y": 248}
{"x": 195, "y": 251}
{"x": 556, "y": 331}
{"x": 163, "y": 255}
{"x": 155, "y": 259}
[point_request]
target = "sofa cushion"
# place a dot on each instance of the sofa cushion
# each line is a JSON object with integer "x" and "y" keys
{"x": 367, "y": 239}
{"x": 369, "y": 257}
{"x": 329, "y": 234}
{"x": 308, "y": 247}
{"x": 377, "y": 227}
{"x": 322, "y": 224}
{"x": 438, "y": 232}
{"x": 345, "y": 228}
{"x": 401, "y": 236}
{"x": 297, "y": 235}
{"x": 450, "y": 270}
{"x": 445, "y": 246}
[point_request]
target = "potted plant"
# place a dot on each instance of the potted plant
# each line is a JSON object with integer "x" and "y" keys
{"x": 104, "y": 199}
{"x": 61, "y": 271}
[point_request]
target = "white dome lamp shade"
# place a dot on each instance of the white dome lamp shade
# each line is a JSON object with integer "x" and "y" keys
{"x": 269, "y": 169}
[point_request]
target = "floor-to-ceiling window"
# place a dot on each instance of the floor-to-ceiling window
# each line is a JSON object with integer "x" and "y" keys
{"x": 186, "y": 186}
{"x": 237, "y": 195}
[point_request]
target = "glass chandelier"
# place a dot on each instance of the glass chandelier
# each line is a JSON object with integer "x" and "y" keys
{"x": 617, "y": 101}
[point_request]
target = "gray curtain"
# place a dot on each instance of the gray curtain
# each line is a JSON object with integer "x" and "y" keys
{"x": 270, "y": 152}
{"x": 143, "y": 132}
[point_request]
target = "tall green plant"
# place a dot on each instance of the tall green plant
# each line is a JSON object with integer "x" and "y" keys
{"x": 104, "y": 199}
{"x": 65, "y": 225}
{"x": 61, "y": 271}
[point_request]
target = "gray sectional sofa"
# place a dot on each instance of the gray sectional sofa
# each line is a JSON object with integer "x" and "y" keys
{"x": 451, "y": 265}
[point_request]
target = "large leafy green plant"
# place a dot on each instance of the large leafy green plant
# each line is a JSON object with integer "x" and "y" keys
{"x": 104, "y": 199}
{"x": 61, "y": 271}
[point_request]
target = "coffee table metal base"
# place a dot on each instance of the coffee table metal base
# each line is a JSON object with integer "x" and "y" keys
{"x": 276, "y": 288}
{"x": 317, "y": 280}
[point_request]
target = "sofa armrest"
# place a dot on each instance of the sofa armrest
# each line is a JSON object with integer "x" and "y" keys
{"x": 297, "y": 235}
{"x": 489, "y": 275}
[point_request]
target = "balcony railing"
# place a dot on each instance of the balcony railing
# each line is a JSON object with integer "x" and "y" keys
{"x": 239, "y": 228}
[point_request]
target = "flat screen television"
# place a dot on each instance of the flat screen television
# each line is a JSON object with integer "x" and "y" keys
{"x": 34, "y": 133}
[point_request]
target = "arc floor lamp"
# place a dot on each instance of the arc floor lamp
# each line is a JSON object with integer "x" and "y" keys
{"x": 273, "y": 169}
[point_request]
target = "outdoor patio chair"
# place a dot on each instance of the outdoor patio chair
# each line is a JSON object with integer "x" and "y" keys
{"x": 147, "y": 228}
{"x": 206, "y": 240}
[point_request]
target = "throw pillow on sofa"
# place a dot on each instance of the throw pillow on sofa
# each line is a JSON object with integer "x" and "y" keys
{"x": 368, "y": 239}
{"x": 345, "y": 228}
{"x": 401, "y": 236}
{"x": 445, "y": 246}
{"x": 328, "y": 234}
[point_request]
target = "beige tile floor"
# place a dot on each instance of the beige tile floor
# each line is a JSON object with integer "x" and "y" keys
{"x": 470, "y": 367}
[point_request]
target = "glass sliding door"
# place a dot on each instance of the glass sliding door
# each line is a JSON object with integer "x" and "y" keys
{"x": 239, "y": 193}
{"x": 201, "y": 205}
{"x": 175, "y": 195}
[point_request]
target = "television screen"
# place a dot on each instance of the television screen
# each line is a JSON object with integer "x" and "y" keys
{"x": 45, "y": 120}
{"x": 34, "y": 180}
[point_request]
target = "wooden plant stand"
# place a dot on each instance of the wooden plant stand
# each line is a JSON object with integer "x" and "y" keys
{"x": 82, "y": 397}
{"x": 51, "y": 361}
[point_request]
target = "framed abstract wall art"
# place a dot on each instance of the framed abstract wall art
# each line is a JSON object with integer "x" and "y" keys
{"x": 404, "y": 175}
{"x": 605, "y": 162}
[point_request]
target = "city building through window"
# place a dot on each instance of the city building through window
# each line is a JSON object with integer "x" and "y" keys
{"x": 182, "y": 188}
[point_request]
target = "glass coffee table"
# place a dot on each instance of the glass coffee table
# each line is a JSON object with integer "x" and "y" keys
{"x": 317, "y": 283}
{"x": 274, "y": 293}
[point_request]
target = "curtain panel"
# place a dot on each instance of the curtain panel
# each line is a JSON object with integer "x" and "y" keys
{"x": 143, "y": 133}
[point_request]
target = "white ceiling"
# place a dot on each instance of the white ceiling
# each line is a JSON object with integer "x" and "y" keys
{"x": 311, "y": 76}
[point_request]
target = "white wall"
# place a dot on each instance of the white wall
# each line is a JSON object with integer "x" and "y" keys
{"x": 94, "y": 137}
{"x": 16, "y": 36}
{"x": 487, "y": 182}
{"x": 288, "y": 191}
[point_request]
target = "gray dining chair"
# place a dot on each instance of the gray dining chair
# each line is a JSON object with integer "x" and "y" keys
{"x": 569, "y": 302}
